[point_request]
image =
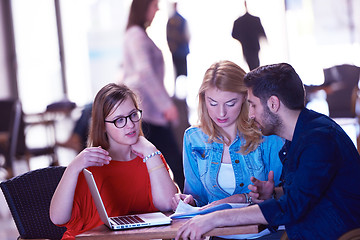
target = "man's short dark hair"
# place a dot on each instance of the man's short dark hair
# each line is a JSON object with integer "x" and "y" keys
{"x": 279, "y": 80}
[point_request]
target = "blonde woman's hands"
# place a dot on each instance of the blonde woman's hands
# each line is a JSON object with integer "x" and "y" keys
{"x": 218, "y": 202}
{"x": 237, "y": 198}
{"x": 92, "y": 156}
{"x": 186, "y": 198}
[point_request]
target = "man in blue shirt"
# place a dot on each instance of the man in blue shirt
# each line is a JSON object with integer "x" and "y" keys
{"x": 320, "y": 193}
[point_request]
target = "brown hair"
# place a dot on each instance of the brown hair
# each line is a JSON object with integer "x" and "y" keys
{"x": 106, "y": 99}
{"x": 227, "y": 76}
{"x": 138, "y": 13}
{"x": 279, "y": 80}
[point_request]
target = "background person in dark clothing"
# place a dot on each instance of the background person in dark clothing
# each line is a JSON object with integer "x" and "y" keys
{"x": 248, "y": 30}
{"x": 178, "y": 41}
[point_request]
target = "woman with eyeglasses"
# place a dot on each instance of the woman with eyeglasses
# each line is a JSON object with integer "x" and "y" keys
{"x": 131, "y": 174}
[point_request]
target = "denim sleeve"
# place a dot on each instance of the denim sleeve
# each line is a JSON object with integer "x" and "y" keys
{"x": 271, "y": 147}
{"x": 193, "y": 184}
{"x": 308, "y": 172}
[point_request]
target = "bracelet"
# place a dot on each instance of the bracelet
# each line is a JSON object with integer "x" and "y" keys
{"x": 151, "y": 155}
{"x": 248, "y": 198}
{"x": 156, "y": 168}
{"x": 250, "y": 201}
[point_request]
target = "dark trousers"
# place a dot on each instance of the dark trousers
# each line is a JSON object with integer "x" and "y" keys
{"x": 82, "y": 124}
{"x": 180, "y": 65}
{"x": 163, "y": 138}
{"x": 252, "y": 58}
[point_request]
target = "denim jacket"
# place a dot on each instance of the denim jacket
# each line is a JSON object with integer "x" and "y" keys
{"x": 202, "y": 161}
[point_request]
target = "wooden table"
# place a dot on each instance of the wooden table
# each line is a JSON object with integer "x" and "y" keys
{"x": 162, "y": 232}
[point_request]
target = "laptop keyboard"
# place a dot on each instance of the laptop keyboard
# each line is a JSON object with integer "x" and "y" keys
{"x": 122, "y": 220}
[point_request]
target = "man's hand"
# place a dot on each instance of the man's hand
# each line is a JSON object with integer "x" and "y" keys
{"x": 262, "y": 190}
{"x": 195, "y": 228}
{"x": 200, "y": 225}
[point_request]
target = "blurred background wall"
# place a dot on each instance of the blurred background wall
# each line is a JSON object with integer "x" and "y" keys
{"x": 309, "y": 34}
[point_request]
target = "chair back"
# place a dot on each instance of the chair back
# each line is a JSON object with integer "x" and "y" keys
{"x": 14, "y": 129}
{"x": 28, "y": 197}
{"x": 346, "y": 78}
{"x": 12, "y": 123}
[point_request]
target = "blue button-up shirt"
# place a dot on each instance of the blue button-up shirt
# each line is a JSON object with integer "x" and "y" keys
{"x": 202, "y": 161}
{"x": 321, "y": 181}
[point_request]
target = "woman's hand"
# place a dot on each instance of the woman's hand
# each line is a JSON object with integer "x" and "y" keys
{"x": 186, "y": 198}
{"x": 143, "y": 147}
{"x": 92, "y": 156}
{"x": 237, "y": 198}
{"x": 63, "y": 198}
{"x": 163, "y": 187}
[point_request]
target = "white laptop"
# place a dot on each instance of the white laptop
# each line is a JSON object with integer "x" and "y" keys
{"x": 123, "y": 222}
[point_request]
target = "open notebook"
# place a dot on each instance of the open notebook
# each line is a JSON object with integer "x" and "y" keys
{"x": 123, "y": 222}
{"x": 185, "y": 210}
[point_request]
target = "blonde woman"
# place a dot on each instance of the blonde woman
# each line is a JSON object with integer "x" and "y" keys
{"x": 226, "y": 149}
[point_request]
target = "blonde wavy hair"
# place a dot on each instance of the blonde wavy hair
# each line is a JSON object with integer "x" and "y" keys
{"x": 227, "y": 76}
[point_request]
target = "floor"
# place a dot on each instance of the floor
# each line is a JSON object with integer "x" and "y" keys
{"x": 8, "y": 229}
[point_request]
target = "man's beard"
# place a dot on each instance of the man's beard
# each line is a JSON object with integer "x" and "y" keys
{"x": 271, "y": 122}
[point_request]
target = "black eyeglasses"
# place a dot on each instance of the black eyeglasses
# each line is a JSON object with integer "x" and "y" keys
{"x": 121, "y": 122}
